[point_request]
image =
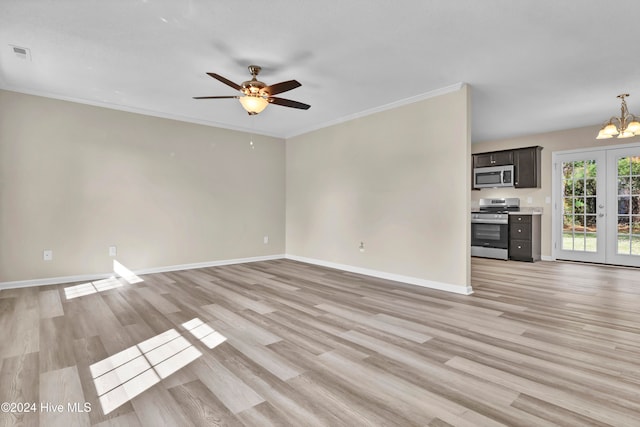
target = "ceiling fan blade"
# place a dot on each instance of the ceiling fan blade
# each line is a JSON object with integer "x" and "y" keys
{"x": 225, "y": 81}
{"x": 214, "y": 97}
{"x": 289, "y": 103}
{"x": 283, "y": 87}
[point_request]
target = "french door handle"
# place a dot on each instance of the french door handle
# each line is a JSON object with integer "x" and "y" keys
{"x": 601, "y": 206}
{"x": 601, "y": 215}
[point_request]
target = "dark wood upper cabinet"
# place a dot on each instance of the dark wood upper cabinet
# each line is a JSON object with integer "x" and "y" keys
{"x": 497, "y": 158}
{"x": 526, "y": 167}
{"x": 526, "y": 164}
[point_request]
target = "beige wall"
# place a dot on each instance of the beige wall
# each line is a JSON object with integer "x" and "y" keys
{"x": 396, "y": 180}
{"x": 76, "y": 179}
{"x": 553, "y": 141}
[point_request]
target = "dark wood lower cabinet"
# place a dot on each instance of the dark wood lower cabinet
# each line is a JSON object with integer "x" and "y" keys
{"x": 524, "y": 237}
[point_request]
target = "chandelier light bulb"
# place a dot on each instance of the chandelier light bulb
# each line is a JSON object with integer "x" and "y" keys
{"x": 602, "y": 135}
{"x": 611, "y": 129}
{"x": 634, "y": 127}
{"x": 625, "y": 134}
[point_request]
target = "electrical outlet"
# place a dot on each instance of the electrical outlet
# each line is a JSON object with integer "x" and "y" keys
{"x": 265, "y": 239}
{"x": 529, "y": 200}
{"x": 547, "y": 200}
{"x": 47, "y": 255}
{"x": 113, "y": 251}
{"x": 361, "y": 247}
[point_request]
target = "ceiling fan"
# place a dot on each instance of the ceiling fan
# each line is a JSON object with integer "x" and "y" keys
{"x": 256, "y": 95}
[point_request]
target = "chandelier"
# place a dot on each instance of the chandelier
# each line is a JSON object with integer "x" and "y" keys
{"x": 628, "y": 124}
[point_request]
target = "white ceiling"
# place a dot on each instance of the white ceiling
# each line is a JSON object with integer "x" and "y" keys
{"x": 533, "y": 65}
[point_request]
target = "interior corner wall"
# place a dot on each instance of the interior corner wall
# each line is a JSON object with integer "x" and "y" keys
{"x": 569, "y": 139}
{"x": 397, "y": 181}
{"x": 77, "y": 179}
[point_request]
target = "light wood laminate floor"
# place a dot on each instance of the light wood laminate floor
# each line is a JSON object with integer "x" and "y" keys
{"x": 289, "y": 344}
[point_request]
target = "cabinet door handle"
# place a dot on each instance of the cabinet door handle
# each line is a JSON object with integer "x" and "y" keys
{"x": 519, "y": 247}
{"x": 519, "y": 230}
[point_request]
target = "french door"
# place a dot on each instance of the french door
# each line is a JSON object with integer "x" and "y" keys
{"x": 597, "y": 206}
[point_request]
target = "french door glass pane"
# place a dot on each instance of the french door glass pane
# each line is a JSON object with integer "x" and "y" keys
{"x": 624, "y": 246}
{"x": 567, "y": 185}
{"x": 635, "y": 165}
{"x": 624, "y": 185}
{"x": 635, "y": 185}
{"x": 579, "y": 205}
{"x": 628, "y": 230}
{"x": 623, "y": 205}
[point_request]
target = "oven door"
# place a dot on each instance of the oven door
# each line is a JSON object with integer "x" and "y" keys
{"x": 490, "y": 235}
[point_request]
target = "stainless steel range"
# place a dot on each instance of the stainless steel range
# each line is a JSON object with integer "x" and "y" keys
{"x": 490, "y": 227}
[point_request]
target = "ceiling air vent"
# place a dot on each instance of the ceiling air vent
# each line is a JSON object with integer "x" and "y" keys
{"x": 22, "y": 52}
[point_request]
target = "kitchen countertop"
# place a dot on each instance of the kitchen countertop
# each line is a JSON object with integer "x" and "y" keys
{"x": 527, "y": 211}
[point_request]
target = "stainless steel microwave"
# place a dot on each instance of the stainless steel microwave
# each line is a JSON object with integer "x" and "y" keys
{"x": 494, "y": 176}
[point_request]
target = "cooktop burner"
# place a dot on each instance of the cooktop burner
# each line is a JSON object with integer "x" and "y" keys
{"x": 498, "y": 205}
{"x": 497, "y": 211}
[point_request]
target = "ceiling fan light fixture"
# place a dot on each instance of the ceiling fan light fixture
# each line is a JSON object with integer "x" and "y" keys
{"x": 256, "y": 95}
{"x": 253, "y": 104}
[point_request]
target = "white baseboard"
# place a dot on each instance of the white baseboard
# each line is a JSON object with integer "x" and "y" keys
{"x": 54, "y": 280}
{"x": 547, "y": 258}
{"x": 209, "y": 264}
{"x": 441, "y": 286}
{"x": 100, "y": 276}
{"x": 352, "y": 269}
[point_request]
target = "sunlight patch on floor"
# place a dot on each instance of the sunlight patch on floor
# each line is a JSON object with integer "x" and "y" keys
{"x": 96, "y": 286}
{"x": 125, "y": 273}
{"x": 205, "y": 333}
{"x": 123, "y": 376}
{"x": 89, "y": 288}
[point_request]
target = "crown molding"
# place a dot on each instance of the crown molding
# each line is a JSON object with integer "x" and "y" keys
{"x": 390, "y": 106}
{"x": 135, "y": 110}
{"x": 421, "y": 97}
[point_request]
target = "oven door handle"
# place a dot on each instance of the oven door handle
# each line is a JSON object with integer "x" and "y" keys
{"x": 489, "y": 221}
